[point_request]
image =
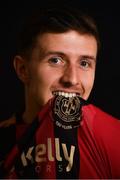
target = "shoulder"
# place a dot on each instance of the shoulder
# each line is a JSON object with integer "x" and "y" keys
{"x": 7, "y": 136}
{"x": 100, "y": 116}
{"x": 105, "y": 132}
{"x": 8, "y": 122}
{"x": 102, "y": 124}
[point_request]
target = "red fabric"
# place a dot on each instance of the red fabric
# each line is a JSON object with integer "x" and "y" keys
{"x": 99, "y": 144}
{"x": 20, "y": 130}
{"x": 98, "y": 139}
{"x": 45, "y": 133}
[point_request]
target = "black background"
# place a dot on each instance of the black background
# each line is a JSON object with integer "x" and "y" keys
{"x": 106, "y": 91}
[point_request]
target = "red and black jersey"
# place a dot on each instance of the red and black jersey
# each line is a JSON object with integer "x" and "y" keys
{"x": 66, "y": 141}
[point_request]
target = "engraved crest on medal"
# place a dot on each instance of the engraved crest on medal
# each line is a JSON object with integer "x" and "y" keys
{"x": 67, "y": 109}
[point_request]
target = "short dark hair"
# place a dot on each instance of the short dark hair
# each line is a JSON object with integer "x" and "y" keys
{"x": 55, "y": 20}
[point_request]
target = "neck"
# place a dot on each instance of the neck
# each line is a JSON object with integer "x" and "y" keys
{"x": 31, "y": 110}
{"x": 28, "y": 116}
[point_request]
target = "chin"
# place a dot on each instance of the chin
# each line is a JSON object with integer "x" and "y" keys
{"x": 85, "y": 97}
{"x": 47, "y": 99}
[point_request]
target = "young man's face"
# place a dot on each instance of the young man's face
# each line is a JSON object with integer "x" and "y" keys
{"x": 61, "y": 63}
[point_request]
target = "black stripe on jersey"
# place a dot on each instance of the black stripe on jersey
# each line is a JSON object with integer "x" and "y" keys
{"x": 67, "y": 117}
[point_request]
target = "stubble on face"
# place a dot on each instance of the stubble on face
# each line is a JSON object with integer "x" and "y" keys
{"x": 45, "y": 77}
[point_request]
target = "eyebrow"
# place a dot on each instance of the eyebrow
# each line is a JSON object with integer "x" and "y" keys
{"x": 89, "y": 57}
{"x": 64, "y": 55}
{"x": 55, "y": 52}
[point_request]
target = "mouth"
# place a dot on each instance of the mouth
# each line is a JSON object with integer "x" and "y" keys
{"x": 65, "y": 94}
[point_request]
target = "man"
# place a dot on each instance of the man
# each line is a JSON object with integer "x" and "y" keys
{"x": 60, "y": 135}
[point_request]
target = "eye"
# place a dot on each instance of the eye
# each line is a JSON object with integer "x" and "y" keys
{"x": 84, "y": 64}
{"x": 56, "y": 60}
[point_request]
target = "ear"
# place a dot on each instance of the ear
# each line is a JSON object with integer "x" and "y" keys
{"x": 21, "y": 68}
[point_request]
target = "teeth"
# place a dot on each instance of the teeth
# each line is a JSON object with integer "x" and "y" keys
{"x": 61, "y": 93}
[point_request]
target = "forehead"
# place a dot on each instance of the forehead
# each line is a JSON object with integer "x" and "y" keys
{"x": 68, "y": 42}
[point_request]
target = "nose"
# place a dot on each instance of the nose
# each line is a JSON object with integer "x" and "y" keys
{"x": 70, "y": 76}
